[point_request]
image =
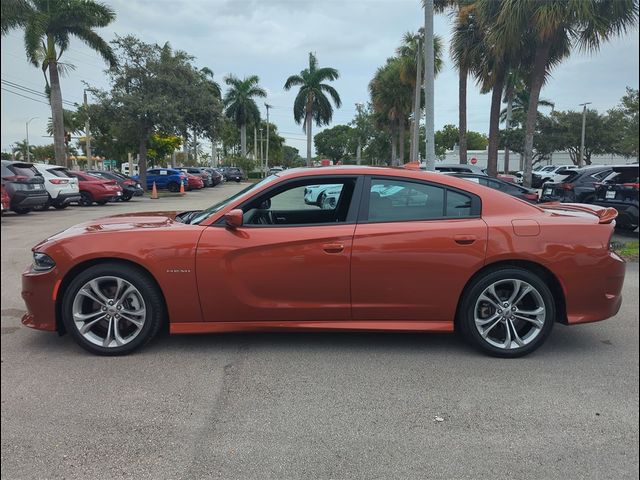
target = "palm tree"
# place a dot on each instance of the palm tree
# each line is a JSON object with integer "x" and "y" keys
{"x": 517, "y": 99}
{"x": 467, "y": 44}
{"x": 48, "y": 26}
{"x": 553, "y": 29}
{"x": 391, "y": 100}
{"x": 311, "y": 103}
{"x": 411, "y": 53}
{"x": 241, "y": 106}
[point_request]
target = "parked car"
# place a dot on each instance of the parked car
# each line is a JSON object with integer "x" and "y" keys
{"x": 499, "y": 270}
{"x": 24, "y": 186}
{"x": 194, "y": 182}
{"x": 313, "y": 193}
{"x": 578, "y": 186}
{"x": 458, "y": 168}
{"x": 274, "y": 170}
{"x": 527, "y": 194}
{"x": 6, "y": 201}
{"x": 95, "y": 189}
{"x": 165, "y": 178}
{"x": 200, "y": 172}
{"x": 130, "y": 187}
{"x": 63, "y": 189}
{"x": 233, "y": 173}
{"x": 551, "y": 174}
{"x": 216, "y": 177}
{"x": 620, "y": 191}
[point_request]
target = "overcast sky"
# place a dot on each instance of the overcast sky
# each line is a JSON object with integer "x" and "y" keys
{"x": 272, "y": 38}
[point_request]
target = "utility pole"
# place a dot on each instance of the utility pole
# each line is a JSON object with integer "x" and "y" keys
{"x": 28, "y": 152}
{"x": 266, "y": 158}
{"x": 584, "y": 121}
{"x": 429, "y": 74}
{"x": 359, "y": 148}
{"x": 262, "y": 152}
{"x": 255, "y": 143}
{"x": 87, "y": 131}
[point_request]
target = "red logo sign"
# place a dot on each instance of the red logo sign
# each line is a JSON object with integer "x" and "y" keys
{"x": 474, "y": 160}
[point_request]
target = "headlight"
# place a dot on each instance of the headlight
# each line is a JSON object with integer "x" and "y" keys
{"x": 42, "y": 262}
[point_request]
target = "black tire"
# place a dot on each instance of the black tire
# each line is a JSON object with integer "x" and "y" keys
{"x": 102, "y": 202}
{"x": 21, "y": 211}
{"x": 173, "y": 187}
{"x": 466, "y": 315}
{"x": 126, "y": 198}
{"x": 154, "y": 303}
{"x": 86, "y": 199}
{"x": 61, "y": 206}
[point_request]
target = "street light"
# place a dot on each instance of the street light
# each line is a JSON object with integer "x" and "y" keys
{"x": 584, "y": 119}
{"x": 27, "y": 128}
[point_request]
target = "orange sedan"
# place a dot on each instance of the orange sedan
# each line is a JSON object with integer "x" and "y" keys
{"x": 395, "y": 250}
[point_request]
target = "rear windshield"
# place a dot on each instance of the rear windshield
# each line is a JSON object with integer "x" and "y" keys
{"x": 627, "y": 175}
{"x": 24, "y": 170}
{"x": 58, "y": 172}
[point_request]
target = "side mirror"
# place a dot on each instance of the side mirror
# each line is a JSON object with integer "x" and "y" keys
{"x": 233, "y": 219}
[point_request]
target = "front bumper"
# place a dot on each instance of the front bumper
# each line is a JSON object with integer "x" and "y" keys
{"x": 39, "y": 291}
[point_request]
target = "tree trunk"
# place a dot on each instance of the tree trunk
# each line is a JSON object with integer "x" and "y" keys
{"x": 462, "y": 114}
{"x": 510, "y": 94}
{"x": 394, "y": 147}
{"x": 401, "y": 142}
{"x": 359, "y": 153}
{"x": 142, "y": 161}
{"x": 307, "y": 126}
{"x": 56, "y": 113}
{"x": 537, "y": 80}
{"x": 243, "y": 140}
{"x": 494, "y": 126}
{"x": 415, "y": 132}
{"x": 214, "y": 153}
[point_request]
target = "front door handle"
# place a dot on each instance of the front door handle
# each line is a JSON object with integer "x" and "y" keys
{"x": 464, "y": 239}
{"x": 333, "y": 247}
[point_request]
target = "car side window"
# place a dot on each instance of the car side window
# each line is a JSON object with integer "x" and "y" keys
{"x": 302, "y": 203}
{"x": 392, "y": 200}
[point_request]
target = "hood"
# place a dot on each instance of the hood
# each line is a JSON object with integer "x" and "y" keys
{"x": 120, "y": 223}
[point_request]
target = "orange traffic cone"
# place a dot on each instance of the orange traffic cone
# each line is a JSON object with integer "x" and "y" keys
{"x": 154, "y": 192}
{"x": 182, "y": 187}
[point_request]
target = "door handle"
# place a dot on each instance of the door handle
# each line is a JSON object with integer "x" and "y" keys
{"x": 333, "y": 247}
{"x": 464, "y": 239}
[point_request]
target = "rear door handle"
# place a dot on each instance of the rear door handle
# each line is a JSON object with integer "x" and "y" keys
{"x": 464, "y": 239}
{"x": 333, "y": 247}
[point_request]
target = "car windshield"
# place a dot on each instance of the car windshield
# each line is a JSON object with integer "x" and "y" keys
{"x": 204, "y": 214}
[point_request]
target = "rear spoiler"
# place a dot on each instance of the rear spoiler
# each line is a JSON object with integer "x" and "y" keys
{"x": 604, "y": 214}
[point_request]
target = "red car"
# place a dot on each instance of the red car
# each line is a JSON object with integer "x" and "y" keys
{"x": 398, "y": 250}
{"x": 95, "y": 189}
{"x": 6, "y": 201}
{"x": 194, "y": 182}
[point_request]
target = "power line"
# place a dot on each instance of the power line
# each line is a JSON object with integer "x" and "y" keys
{"x": 23, "y": 96}
{"x": 31, "y": 91}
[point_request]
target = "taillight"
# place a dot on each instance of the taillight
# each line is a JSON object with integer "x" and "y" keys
{"x": 567, "y": 186}
{"x": 631, "y": 185}
{"x": 531, "y": 196}
{"x": 58, "y": 181}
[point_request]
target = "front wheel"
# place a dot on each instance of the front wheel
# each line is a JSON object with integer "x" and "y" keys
{"x": 173, "y": 187}
{"x": 21, "y": 211}
{"x": 112, "y": 309}
{"x": 508, "y": 312}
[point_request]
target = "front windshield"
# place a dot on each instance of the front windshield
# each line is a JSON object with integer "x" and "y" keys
{"x": 204, "y": 214}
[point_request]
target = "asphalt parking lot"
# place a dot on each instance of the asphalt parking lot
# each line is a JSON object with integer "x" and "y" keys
{"x": 310, "y": 406}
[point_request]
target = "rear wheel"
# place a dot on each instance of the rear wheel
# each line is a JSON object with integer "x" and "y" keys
{"x": 126, "y": 198}
{"x": 173, "y": 187}
{"x": 86, "y": 199}
{"x": 21, "y": 211}
{"x": 112, "y": 309}
{"x": 60, "y": 206}
{"x": 508, "y": 312}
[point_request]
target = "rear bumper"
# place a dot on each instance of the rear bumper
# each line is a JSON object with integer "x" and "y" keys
{"x": 39, "y": 290}
{"x": 66, "y": 198}
{"x": 26, "y": 200}
{"x": 594, "y": 293}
